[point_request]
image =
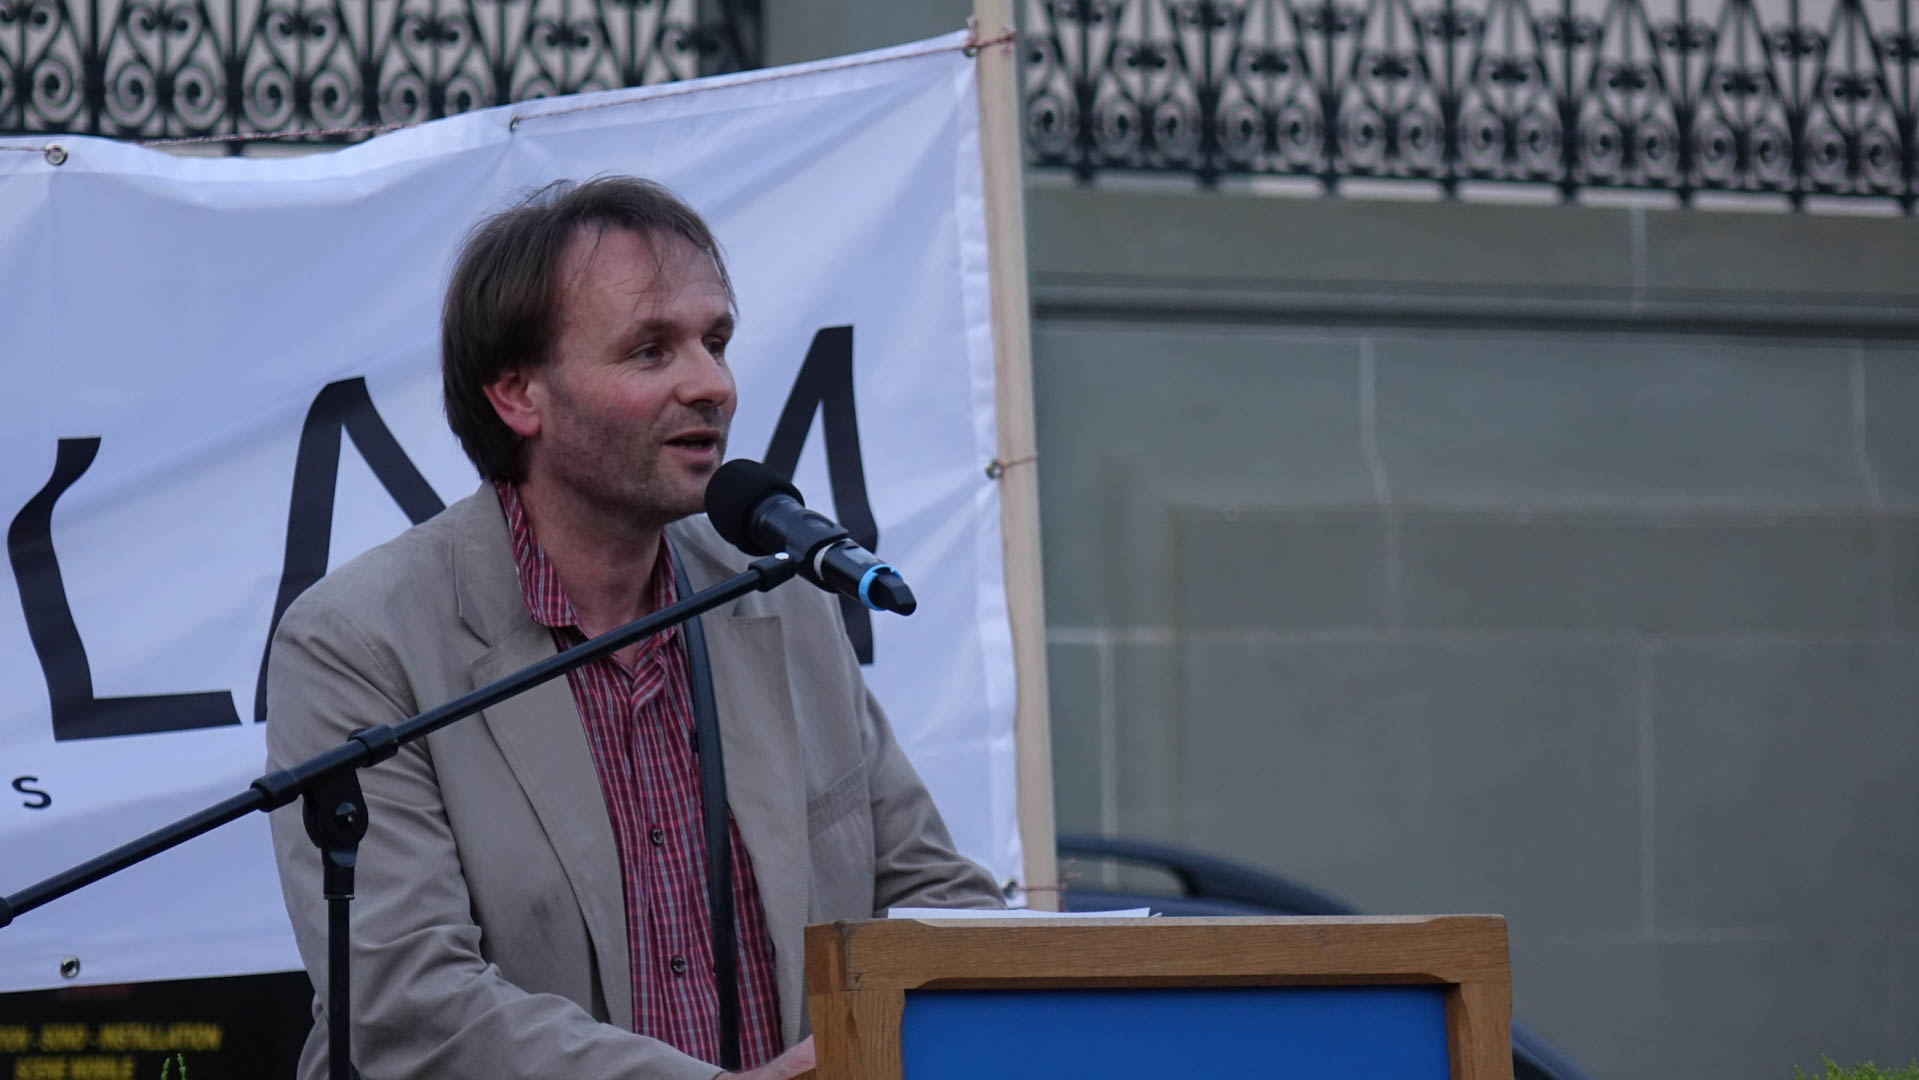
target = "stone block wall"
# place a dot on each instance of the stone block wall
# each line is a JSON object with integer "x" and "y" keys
{"x": 1554, "y": 561}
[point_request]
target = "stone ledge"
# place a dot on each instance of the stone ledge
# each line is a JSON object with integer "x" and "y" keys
{"x": 1096, "y": 251}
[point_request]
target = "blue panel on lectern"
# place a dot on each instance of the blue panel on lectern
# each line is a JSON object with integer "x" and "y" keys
{"x": 1309, "y": 1033}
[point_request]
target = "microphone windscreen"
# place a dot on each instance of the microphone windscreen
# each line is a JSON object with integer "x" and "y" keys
{"x": 736, "y": 490}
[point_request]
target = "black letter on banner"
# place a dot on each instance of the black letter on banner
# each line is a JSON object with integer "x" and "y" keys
{"x": 316, "y": 472}
{"x": 77, "y": 714}
{"x": 825, "y": 383}
{"x": 36, "y": 799}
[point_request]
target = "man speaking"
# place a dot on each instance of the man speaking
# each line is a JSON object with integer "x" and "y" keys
{"x": 533, "y": 898}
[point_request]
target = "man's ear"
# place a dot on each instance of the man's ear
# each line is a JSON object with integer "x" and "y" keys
{"x": 517, "y": 398}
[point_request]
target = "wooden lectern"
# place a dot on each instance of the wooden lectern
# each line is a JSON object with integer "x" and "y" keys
{"x": 1411, "y": 998}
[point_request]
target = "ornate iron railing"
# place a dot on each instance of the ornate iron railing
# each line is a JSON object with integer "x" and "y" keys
{"x": 1788, "y": 97}
{"x": 149, "y": 69}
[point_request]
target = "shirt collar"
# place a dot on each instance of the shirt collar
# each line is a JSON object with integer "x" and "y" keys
{"x": 540, "y": 587}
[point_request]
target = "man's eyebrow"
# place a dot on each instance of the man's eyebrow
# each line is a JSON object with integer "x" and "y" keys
{"x": 648, "y": 327}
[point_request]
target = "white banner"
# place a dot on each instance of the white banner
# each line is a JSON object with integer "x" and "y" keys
{"x": 179, "y": 332}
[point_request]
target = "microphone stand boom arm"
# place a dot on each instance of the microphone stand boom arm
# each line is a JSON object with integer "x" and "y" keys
{"x": 335, "y": 812}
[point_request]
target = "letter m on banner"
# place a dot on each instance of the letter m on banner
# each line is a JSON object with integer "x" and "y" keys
{"x": 825, "y": 386}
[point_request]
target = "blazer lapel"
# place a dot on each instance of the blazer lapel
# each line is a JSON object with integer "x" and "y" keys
{"x": 760, "y": 738}
{"x": 540, "y": 734}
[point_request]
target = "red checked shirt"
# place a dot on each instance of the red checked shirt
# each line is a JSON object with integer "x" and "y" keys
{"x": 639, "y": 724}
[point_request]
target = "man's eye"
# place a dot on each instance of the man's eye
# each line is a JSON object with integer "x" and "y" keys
{"x": 648, "y": 353}
{"x": 716, "y": 346}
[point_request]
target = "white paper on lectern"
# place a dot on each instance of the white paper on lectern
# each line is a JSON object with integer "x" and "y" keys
{"x": 1013, "y": 913}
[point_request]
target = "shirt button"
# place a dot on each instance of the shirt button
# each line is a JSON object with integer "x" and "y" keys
{"x": 678, "y": 965}
{"x": 657, "y": 835}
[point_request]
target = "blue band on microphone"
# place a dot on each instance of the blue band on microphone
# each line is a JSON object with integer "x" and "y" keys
{"x": 866, "y": 580}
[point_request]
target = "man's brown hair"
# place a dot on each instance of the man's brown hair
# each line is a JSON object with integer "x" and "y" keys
{"x": 501, "y": 304}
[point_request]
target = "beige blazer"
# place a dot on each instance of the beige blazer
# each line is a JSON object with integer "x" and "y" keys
{"x": 489, "y": 928}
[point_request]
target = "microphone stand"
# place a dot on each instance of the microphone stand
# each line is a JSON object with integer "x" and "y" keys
{"x": 335, "y": 811}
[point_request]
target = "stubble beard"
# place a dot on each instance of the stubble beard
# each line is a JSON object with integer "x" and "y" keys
{"x": 622, "y": 475}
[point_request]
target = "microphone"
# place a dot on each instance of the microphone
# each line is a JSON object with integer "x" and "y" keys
{"x": 756, "y": 510}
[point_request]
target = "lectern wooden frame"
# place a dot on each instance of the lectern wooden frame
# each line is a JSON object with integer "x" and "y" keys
{"x": 859, "y": 974}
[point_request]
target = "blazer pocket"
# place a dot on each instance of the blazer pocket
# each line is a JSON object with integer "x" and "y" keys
{"x": 840, "y": 798}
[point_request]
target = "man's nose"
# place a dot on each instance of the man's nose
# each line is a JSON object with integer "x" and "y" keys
{"x": 706, "y": 380}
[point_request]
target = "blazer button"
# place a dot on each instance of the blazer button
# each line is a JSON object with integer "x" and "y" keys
{"x": 657, "y": 835}
{"x": 678, "y": 965}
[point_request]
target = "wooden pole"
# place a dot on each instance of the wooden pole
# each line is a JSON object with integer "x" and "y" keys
{"x": 1000, "y": 157}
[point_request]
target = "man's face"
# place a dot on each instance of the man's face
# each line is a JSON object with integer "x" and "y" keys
{"x": 632, "y": 407}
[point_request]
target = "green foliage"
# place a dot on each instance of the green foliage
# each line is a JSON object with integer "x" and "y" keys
{"x": 1866, "y": 1071}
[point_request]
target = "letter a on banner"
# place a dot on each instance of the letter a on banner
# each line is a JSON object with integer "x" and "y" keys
{"x": 343, "y": 405}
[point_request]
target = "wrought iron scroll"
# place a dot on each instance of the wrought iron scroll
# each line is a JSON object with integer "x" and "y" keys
{"x": 148, "y": 69}
{"x": 1787, "y": 97}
